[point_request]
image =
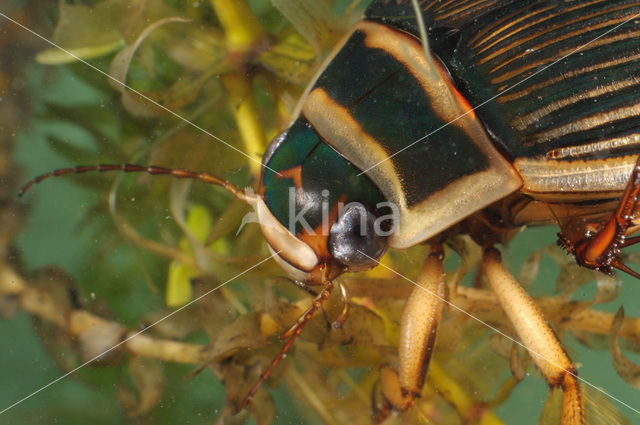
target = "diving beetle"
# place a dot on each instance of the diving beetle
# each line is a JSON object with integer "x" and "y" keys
{"x": 518, "y": 113}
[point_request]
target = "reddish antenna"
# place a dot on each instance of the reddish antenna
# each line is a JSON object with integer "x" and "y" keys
{"x": 179, "y": 173}
{"x": 290, "y": 334}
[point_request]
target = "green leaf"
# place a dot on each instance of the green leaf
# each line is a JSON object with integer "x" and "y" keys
{"x": 84, "y": 33}
{"x": 292, "y": 58}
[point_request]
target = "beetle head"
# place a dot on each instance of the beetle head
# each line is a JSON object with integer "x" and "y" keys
{"x": 316, "y": 212}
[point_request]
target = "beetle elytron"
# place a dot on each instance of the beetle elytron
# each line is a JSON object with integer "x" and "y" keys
{"x": 383, "y": 121}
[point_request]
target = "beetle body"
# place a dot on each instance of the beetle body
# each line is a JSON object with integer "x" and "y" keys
{"x": 524, "y": 111}
{"x": 425, "y": 133}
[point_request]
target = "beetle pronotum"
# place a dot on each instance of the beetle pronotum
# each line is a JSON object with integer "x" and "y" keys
{"x": 523, "y": 161}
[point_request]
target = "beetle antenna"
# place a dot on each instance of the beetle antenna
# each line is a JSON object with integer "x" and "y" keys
{"x": 292, "y": 334}
{"x": 179, "y": 173}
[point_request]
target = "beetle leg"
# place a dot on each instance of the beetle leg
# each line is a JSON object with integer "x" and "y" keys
{"x": 303, "y": 286}
{"x": 418, "y": 330}
{"x": 297, "y": 329}
{"x": 537, "y": 336}
{"x": 392, "y": 394}
{"x": 630, "y": 241}
{"x": 621, "y": 266}
{"x": 337, "y": 323}
{"x": 600, "y": 251}
{"x": 346, "y": 302}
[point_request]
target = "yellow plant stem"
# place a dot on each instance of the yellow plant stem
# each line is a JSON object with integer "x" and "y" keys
{"x": 466, "y": 406}
{"x": 242, "y": 100}
{"x": 242, "y": 28}
{"x": 242, "y": 33}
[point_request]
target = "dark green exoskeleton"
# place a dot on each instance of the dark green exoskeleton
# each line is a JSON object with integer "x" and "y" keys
{"x": 518, "y": 112}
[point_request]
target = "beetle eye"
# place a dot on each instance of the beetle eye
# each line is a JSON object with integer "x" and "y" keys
{"x": 355, "y": 238}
